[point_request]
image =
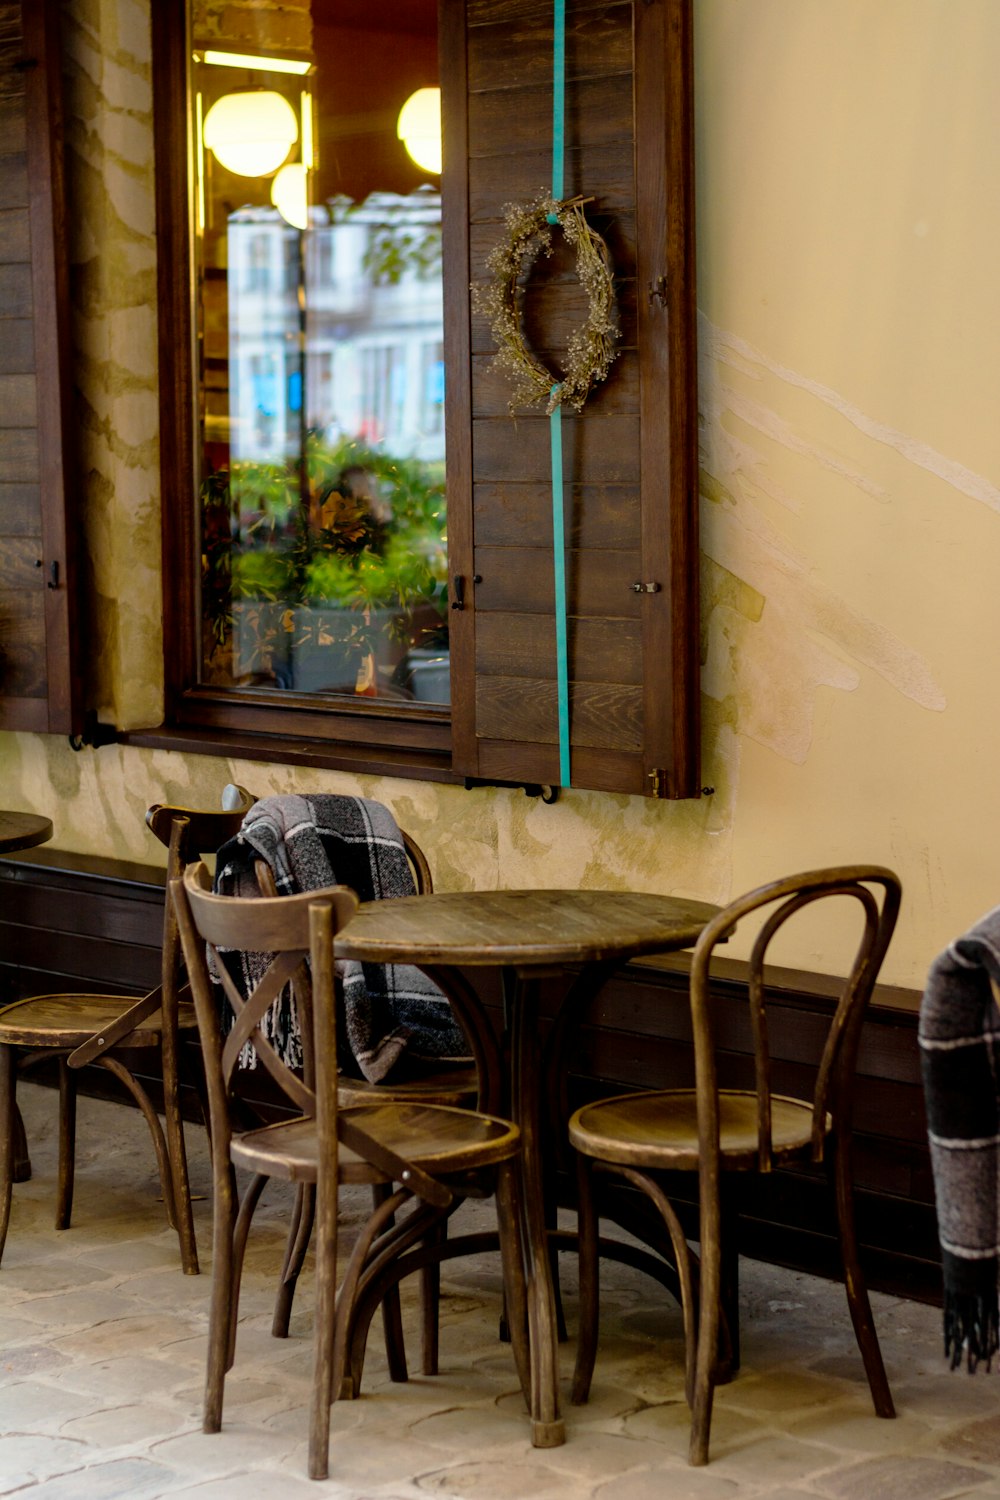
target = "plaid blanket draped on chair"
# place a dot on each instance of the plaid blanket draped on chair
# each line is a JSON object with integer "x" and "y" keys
{"x": 960, "y": 1057}
{"x": 393, "y": 1013}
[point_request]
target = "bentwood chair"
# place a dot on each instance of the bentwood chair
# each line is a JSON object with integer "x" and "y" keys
{"x": 428, "y": 1155}
{"x": 713, "y": 1131}
{"x": 81, "y": 1028}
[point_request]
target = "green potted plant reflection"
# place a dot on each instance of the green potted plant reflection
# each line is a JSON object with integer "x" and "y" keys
{"x": 328, "y": 594}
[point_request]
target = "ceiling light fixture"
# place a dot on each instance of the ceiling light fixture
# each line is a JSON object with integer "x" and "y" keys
{"x": 419, "y": 128}
{"x": 251, "y": 132}
{"x": 254, "y": 60}
{"x": 289, "y": 194}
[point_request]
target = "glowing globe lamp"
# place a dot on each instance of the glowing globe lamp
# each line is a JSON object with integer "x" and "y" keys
{"x": 251, "y": 132}
{"x": 419, "y": 128}
{"x": 289, "y": 195}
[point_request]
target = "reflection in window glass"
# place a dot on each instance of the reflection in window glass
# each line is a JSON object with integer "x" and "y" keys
{"x": 320, "y": 320}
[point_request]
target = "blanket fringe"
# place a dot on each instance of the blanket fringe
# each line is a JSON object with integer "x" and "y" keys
{"x": 972, "y": 1327}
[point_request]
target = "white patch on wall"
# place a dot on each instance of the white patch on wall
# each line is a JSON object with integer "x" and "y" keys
{"x": 729, "y": 348}
{"x": 810, "y": 634}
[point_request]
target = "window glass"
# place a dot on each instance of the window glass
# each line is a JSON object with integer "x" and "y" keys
{"x": 319, "y": 309}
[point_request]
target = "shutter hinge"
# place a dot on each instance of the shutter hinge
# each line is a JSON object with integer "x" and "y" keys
{"x": 658, "y": 782}
{"x": 645, "y": 588}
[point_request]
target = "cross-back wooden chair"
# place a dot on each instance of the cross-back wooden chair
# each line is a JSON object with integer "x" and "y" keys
{"x": 455, "y": 1085}
{"x": 82, "y": 1028}
{"x": 713, "y": 1131}
{"x": 428, "y": 1155}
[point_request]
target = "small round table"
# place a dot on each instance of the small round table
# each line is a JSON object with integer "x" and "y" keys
{"x": 21, "y": 830}
{"x": 528, "y": 936}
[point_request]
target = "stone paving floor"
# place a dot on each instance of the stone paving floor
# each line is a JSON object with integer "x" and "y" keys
{"x": 102, "y": 1344}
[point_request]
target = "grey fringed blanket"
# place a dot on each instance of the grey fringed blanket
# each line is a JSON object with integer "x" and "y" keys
{"x": 960, "y": 1057}
{"x": 392, "y": 1012}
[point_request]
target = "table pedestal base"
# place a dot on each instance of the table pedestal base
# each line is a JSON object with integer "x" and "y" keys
{"x": 548, "y": 1434}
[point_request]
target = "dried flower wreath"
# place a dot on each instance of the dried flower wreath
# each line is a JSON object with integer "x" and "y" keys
{"x": 590, "y": 351}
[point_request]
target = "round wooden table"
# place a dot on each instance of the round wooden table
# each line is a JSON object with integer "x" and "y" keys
{"x": 528, "y": 936}
{"x": 21, "y": 830}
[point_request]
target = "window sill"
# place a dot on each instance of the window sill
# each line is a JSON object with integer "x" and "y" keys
{"x": 405, "y": 762}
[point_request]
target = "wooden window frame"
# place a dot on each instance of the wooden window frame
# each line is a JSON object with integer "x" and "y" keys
{"x": 381, "y": 738}
{"x": 428, "y": 741}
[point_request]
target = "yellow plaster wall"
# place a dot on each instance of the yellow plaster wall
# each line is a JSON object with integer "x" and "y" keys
{"x": 848, "y": 218}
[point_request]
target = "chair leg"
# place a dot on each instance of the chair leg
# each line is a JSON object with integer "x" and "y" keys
{"x": 152, "y": 1120}
{"x": 299, "y": 1232}
{"x": 510, "y": 1212}
{"x": 8, "y": 1107}
{"x": 326, "y": 1293}
{"x": 586, "y": 1343}
{"x": 241, "y": 1233}
{"x": 854, "y": 1283}
{"x": 22, "y": 1161}
{"x": 551, "y": 1222}
{"x": 364, "y": 1285}
{"x": 430, "y": 1307}
{"x": 177, "y": 1155}
{"x": 67, "y": 1144}
{"x": 392, "y": 1315}
{"x": 729, "y": 1260}
{"x": 222, "y": 1310}
{"x": 709, "y": 1309}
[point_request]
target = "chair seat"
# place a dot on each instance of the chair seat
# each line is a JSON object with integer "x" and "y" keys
{"x": 439, "y": 1139}
{"x": 69, "y": 1020}
{"x": 659, "y": 1129}
{"x": 458, "y": 1085}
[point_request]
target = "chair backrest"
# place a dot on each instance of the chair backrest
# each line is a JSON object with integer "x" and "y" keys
{"x": 188, "y": 834}
{"x": 877, "y": 891}
{"x": 280, "y": 933}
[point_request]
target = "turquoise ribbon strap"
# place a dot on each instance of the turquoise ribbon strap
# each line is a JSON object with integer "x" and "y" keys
{"x": 555, "y": 417}
{"x": 559, "y": 579}
{"x": 558, "y": 98}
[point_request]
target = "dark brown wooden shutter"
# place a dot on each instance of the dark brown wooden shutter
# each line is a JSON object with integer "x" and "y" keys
{"x": 38, "y": 683}
{"x": 630, "y": 457}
